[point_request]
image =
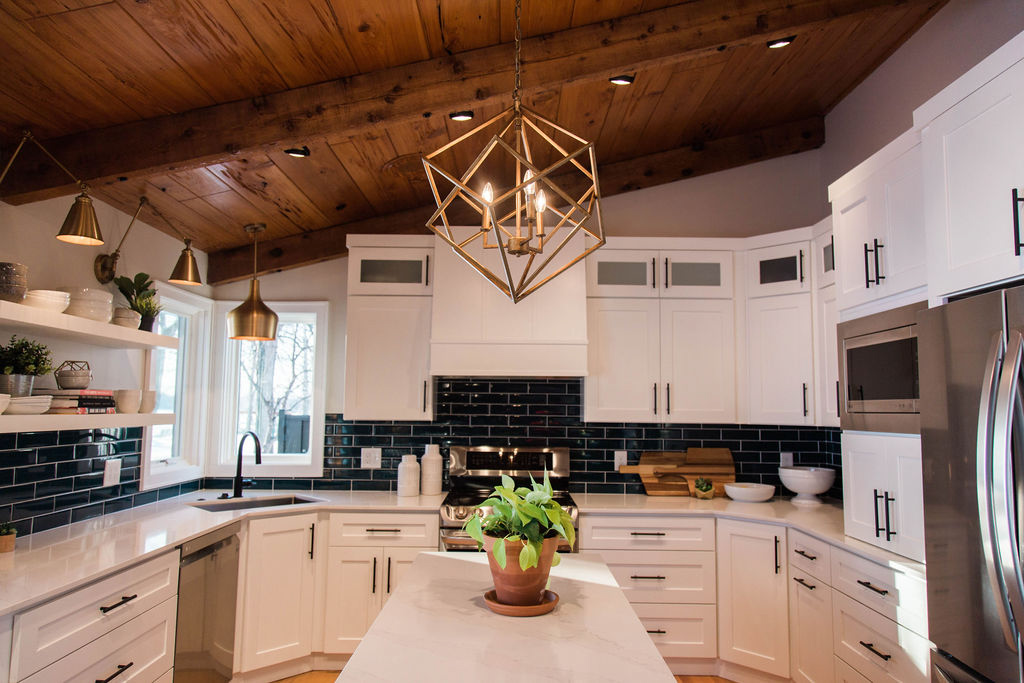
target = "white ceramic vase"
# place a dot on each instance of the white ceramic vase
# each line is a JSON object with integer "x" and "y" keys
{"x": 430, "y": 466}
{"x": 409, "y": 476}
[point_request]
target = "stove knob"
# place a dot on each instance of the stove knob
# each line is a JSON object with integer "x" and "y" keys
{"x": 460, "y": 512}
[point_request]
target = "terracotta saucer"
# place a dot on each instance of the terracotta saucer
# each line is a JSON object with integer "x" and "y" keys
{"x": 545, "y": 606}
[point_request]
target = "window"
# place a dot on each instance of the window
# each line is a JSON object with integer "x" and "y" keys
{"x": 174, "y": 452}
{"x": 275, "y": 389}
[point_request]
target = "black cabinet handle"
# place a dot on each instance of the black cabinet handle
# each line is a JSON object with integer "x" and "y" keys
{"x": 125, "y": 599}
{"x": 424, "y": 396}
{"x": 804, "y": 389}
{"x": 654, "y": 272}
{"x": 312, "y": 535}
{"x": 650, "y": 578}
{"x": 878, "y": 529}
{"x": 777, "y": 565}
{"x": 878, "y": 271}
{"x": 801, "y": 265}
{"x": 867, "y": 275}
{"x": 121, "y": 668}
{"x": 389, "y": 576}
{"x": 666, "y": 272}
{"x": 1017, "y": 200}
{"x": 808, "y": 556}
{"x": 655, "y": 398}
{"x": 888, "y": 526}
{"x": 803, "y": 583}
{"x": 668, "y": 398}
{"x": 656, "y": 630}
{"x": 646, "y": 533}
{"x": 837, "y": 399}
{"x": 871, "y": 648}
{"x": 373, "y": 588}
{"x": 868, "y": 585}
{"x": 426, "y": 272}
{"x": 383, "y": 531}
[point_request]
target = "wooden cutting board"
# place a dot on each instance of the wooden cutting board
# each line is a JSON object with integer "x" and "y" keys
{"x": 673, "y": 473}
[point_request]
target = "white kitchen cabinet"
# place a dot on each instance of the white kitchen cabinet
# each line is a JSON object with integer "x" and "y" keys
{"x": 781, "y": 269}
{"x": 623, "y": 272}
{"x": 680, "y": 630}
{"x": 279, "y": 582}
{"x": 660, "y": 273}
{"x": 810, "y": 628}
{"x": 753, "y": 594}
{"x": 972, "y": 165}
{"x": 827, "y": 378}
{"x": 844, "y": 673}
{"x": 824, "y": 259}
{"x": 888, "y": 589}
{"x": 879, "y": 648}
{"x": 696, "y": 274}
{"x": 698, "y": 360}
{"x": 390, "y": 271}
{"x": 780, "y": 367}
{"x": 878, "y": 223}
{"x": 387, "y": 366}
{"x": 883, "y": 498}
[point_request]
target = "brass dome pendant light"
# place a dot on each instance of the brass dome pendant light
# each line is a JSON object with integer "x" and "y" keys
{"x": 81, "y": 226}
{"x": 253, "y": 320}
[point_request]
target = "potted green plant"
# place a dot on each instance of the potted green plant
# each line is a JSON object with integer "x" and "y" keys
{"x": 21, "y": 361}
{"x": 7, "y": 536}
{"x": 149, "y": 309}
{"x": 141, "y": 297}
{"x": 521, "y": 532}
{"x": 704, "y": 488}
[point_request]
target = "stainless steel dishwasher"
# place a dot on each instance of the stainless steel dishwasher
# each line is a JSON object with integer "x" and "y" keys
{"x": 204, "y": 645}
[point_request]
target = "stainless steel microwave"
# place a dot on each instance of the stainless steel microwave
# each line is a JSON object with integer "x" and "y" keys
{"x": 878, "y": 371}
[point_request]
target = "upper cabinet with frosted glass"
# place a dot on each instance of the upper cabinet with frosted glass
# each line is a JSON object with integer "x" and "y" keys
{"x": 782, "y": 269}
{"x": 660, "y": 274}
{"x": 400, "y": 271}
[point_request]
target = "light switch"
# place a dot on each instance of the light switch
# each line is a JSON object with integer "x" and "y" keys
{"x": 785, "y": 459}
{"x": 620, "y": 459}
{"x": 369, "y": 458}
{"x": 112, "y": 472}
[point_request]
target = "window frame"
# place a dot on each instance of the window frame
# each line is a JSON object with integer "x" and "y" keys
{"x": 190, "y": 429}
{"x": 224, "y": 394}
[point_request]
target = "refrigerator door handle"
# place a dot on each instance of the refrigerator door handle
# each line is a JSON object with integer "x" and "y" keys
{"x": 1002, "y": 491}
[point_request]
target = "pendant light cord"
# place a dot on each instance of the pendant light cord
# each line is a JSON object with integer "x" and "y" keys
{"x": 255, "y": 249}
{"x": 517, "y": 87}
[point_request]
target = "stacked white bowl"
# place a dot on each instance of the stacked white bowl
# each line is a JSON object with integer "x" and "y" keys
{"x": 126, "y": 317}
{"x": 28, "y": 405}
{"x": 89, "y": 302}
{"x": 47, "y": 299}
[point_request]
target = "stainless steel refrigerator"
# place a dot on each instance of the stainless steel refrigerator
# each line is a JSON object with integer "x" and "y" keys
{"x": 972, "y": 440}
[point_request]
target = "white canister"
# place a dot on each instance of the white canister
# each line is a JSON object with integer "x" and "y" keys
{"x": 409, "y": 476}
{"x": 431, "y": 466}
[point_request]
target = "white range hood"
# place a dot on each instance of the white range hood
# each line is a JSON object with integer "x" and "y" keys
{"x": 477, "y": 331}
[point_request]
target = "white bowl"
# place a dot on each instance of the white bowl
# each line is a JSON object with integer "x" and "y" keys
{"x": 101, "y": 312}
{"x": 35, "y": 405}
{"x": 807, "y": 482}
{"x": 47, "y": 300}
{"x": 749, "y": 493}
{"x": 90, "y": 294}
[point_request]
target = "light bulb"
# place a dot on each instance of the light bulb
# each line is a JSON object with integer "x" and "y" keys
{"x": 488, "y": 193}
{"x": 542, "y": 202}
{"x": 531, "y": 188}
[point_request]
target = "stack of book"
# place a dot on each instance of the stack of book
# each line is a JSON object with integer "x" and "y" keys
{"x": 80, "y": 401}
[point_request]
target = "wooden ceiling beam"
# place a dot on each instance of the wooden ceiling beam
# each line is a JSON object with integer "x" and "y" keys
{"x": 701, "y": 158}
{"x": 471, "y": 79}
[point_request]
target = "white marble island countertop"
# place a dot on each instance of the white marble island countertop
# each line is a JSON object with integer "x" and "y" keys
{"x": 436, "y": 627}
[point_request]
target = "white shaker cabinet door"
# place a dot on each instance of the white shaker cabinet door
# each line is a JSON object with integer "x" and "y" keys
{"x": 780, "y": 362}
{"x": 810, "y": 628}
{"x": 698, "y": 360}
{"x": 828, "y": 357}
{"x": 355, "y": 588}
{"x": 623, "y": 363}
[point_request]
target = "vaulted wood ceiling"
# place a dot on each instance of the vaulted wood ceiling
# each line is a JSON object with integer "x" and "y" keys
{"x": 192, "y": 102}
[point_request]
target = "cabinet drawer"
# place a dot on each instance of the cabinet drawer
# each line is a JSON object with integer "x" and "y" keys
{"x": 877, "y": 647}
{"x": 810, "y": 555}
{"x": 681, "y": 630}
{"x": 44, "y": 634}
{"x": 143, "y": 648}
{"x": 663, "y": 575}
{"x": 399, "y": 529}
{"x": 646, "y": 532}
{"x": 895, "y": 594}
{"x": 847, "y": 674}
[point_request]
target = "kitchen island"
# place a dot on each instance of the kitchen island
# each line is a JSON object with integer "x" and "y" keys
{"x": 436, "y": 627}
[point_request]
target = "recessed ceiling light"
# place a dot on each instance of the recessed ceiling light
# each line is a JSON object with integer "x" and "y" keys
{"x": 298, "y": 151}
{"x": 622, "y": 79}
{"x": 460, "y": 115}
{"x": 781, "y": 42}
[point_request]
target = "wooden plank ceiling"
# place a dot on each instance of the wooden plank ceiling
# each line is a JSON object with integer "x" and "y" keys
{"x": 192, "y": 102}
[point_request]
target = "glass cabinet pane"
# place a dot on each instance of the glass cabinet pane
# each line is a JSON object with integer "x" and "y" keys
{"x": 828, "y": 257}
{"x": 391, "y": 271}
{"x": 779, "y": 270}
{"x": 696, "y": 274}
{"x": 622, "y": 273}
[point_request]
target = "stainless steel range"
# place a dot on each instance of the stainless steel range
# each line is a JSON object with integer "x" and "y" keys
{"x": 474, "y": 471}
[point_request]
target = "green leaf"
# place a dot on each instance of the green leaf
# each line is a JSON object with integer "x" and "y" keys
{"x": 508, "y": 482}
{"x": 556, "y": 560}
{"x": 528, "y": 556}
{"x": 570, "y": 532}
{"x": 554, "y": 513}
{"x": 522, "y": 492}
{"x": 547, "y": 482}
{"x": 499, "y": 552}
{"x": 534, "y": 512}
{"x": 472, "y": 527}
{"x": 538, "y": 497}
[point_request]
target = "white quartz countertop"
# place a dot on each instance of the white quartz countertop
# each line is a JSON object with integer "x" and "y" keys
{"x": 436, "y": 627}
{"x": 52, "y": 562}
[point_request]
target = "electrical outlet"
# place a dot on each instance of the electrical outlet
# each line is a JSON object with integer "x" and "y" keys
{"x": 369, "y": 458}
{"x": 620, "y": 459}
{"x": 785, "y": 459}
{"x": 112, "y": 472}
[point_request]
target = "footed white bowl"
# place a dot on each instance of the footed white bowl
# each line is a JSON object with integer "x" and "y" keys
{"x": 749, "y": 493}
{"x": 807, "y": 482}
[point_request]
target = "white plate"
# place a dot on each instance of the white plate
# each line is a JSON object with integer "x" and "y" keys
{"x": 18, "y": 409}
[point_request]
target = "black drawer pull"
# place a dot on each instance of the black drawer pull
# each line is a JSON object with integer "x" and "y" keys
{"x": 312, "y": 536}
{"x": 804, "y": 583}
{"x": 871, "y": 648}
{"x": 656, "y": 630}
{"x": 867, "y": 584}
{"x": 124, "y": 600}
{"x": 383, "y": 531}
{"x": 653, "y": 578}
{"x": 646, "y": 533}
{"x": 801, "y": 553}
{"x": 121, "y": 668}
{"x": 373, "y": 589}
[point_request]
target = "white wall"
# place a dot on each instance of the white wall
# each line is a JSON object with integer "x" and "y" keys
{"x": 327, "y": 281}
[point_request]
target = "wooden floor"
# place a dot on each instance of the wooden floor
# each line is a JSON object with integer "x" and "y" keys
{"x": 330, "y": 676}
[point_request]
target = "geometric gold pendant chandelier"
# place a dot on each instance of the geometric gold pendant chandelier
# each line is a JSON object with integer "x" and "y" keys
{"x": 532, "y": 192}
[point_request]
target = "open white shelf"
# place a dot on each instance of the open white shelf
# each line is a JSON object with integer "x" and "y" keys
{"x": 22, "y": 319}
{"x": 52, "y": 423}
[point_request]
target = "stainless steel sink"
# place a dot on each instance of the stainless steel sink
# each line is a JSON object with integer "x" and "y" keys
{"x": 220, "y": 505}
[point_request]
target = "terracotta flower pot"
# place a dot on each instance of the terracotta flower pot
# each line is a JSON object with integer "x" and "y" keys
{"x": 514, "y": 586}
{"x": 7, "y": 542}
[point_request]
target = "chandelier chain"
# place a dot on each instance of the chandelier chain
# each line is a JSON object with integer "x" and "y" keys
{"x": 519, "y": 41}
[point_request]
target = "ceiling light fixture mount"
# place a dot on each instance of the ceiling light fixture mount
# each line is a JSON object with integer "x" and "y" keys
{"x": 253, "y": 320}
{"x": 546, "y": 206}
{"x": 780, "y": 42}
{"x": 298, "y": 152}
{"x": 466, "y": 115}
{"x": 622, "y": 79}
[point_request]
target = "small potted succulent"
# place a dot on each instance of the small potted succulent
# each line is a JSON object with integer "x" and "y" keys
{"x": 704, "y": 488}
{"x": 7, "y": 535}
{"x": 21, "y": 361}
{"x": 520, "y": 528}
{"x": 141, "y": 297}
